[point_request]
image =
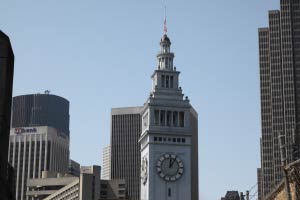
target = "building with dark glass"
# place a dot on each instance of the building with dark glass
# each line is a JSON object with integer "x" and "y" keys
{"x": 279, "y": 57}
{"x": 41, "y": 110}
{"x": 6, "y": 85}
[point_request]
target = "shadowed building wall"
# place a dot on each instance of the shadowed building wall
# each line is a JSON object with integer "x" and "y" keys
{"x": 6, "y": 84}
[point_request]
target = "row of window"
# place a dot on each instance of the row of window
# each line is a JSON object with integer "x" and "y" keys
{"x": 168, "y": 139}
{"x": 169, "y": 118}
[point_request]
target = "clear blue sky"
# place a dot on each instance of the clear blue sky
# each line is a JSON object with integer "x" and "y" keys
{"x": 100, "y": 54}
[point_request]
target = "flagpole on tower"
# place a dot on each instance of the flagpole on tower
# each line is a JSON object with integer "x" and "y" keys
{"x": 165, "y": 21}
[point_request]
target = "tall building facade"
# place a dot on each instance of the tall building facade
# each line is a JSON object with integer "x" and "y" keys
{"x": 279, "y": 56}
{"x": 169, "y": 136}
{"x": 106, "y": 163}
{"x": 125, "y": 149}
{"x": 33, "y": 150}
{"x": 41, "y": 110}
{"x": 6, "y": 85}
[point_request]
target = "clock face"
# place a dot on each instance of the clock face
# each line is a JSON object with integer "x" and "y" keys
{"x": 169, "y": 167}
{"x": 144, "y": 170}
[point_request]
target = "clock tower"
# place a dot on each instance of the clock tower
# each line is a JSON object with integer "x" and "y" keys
{"x": 169, "y": 138}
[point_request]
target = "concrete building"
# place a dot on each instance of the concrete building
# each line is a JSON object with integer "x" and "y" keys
{"x": 6, "y": 85}
{"x": 106, "y": 165}
{"x": 74, "y": 168}
{"x": 90, "y": 183}
{"x": 49, "y": 183}
{"x": 279, "y": 46}
{"x": 36, "y": 149}
{"x": 65, "y": 187}
{"x": 169, "y": 136}
{"x": 125, "y": 149}
{"x": 113, "y": 189}
{"x": 41, "y": 110}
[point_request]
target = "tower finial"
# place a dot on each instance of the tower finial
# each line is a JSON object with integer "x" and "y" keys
{"x": 165, "y": 21}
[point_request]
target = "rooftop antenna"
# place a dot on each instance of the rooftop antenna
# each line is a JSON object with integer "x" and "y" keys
{"x": 165, "y": 21}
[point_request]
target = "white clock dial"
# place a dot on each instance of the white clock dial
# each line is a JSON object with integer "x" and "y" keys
{"x": 169, "y": 167}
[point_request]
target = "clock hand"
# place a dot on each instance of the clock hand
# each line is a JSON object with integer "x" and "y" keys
{"x": 173, "y": 162}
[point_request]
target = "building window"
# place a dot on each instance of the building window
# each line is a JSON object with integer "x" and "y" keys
{"x": 181, "y": 119}
{"x": 175, "y": 118}
{"x": 121, "y": 191}
{"x": 171, "y": 82}
{"x": 121, "y": 185}
{"x": 169, "y": 192}
{"x": 155, "y": 138}
{"x": 163, "y": 81}
{"x": 183, "y": 140}
{"x": 167, "y": 81}
{"x": 160, "y": 139}
{"x": 162, "y": 118}
{"x": 178, "y": 140}
{"x": 174, "y": 139}
{"x": 169, "y": 114}
{"x": 156, "y": 117}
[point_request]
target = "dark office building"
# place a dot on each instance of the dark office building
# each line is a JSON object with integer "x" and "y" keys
{"x": 125, "y": 149}
{"x": 279, "y": 56}
{"x": 232, "y": 195}
{"x": 41, "y": 110}
{"x": 6, "y": 84}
